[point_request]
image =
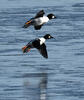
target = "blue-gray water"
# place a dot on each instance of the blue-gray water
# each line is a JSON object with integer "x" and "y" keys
{"x": 21, "y": 75}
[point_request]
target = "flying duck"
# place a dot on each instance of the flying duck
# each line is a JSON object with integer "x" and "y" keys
{"x": 39, "y": 44}
{"x": 39, "y": 20}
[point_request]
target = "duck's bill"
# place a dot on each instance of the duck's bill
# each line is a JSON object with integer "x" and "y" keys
{"x": 52, "y": 37}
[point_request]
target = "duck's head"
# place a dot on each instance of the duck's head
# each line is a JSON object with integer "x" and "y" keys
{"x": 51, "y": 16}
{"x": 48, "y": 36}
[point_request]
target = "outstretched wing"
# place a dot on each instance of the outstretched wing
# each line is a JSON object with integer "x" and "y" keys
{"x": 38, "y": 27}
{"x": 40, "y": 14}
{"x": 43, "y": 50}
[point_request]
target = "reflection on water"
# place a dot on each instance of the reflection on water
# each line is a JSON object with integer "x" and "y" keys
{"x": 43, "y": 87}
{"x": 35, "y": 86}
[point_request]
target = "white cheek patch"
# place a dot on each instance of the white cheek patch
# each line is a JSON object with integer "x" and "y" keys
{"x": 53, "y": 16}
{"x": 49, "y": 37}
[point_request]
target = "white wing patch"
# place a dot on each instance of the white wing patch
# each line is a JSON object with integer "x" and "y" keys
{"x": 42, "y": 40}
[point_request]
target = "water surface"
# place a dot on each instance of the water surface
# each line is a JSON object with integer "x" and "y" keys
{"x": 30, "y": 76}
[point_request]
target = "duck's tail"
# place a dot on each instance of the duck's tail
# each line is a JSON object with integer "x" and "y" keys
{"x": 27, "y": 24}
{"x": 26, "y": 49}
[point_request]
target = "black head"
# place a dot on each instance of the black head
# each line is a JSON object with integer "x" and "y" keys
{"x": 51, "y": 16}
{"x": 48, "y": 36}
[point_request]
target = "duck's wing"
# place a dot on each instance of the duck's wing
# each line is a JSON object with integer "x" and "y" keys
{"x": 43, "y": 51}
{"x": 40, "y": 14}
{"x": 38, "y": 27}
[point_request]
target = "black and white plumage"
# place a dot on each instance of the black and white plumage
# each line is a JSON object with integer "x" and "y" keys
{"x": 39, "y": 44}
{"x": 39, "y": 20}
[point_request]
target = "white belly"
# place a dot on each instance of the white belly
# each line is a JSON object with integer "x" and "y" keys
{"x": 42, "y": 40}
{"x": 41, "y": 20}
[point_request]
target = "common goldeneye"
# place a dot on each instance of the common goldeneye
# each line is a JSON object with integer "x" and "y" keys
{"x": 39, "y": 44}
{"x": 39, "y": 20}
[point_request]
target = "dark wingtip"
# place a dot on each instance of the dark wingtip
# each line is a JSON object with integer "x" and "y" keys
{"x": 46, "y": 57}
{"x": 42, "y": 10}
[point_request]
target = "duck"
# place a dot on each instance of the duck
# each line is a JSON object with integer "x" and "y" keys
{"x": 39, "y": 20}
{"x": 39, "y": 44}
